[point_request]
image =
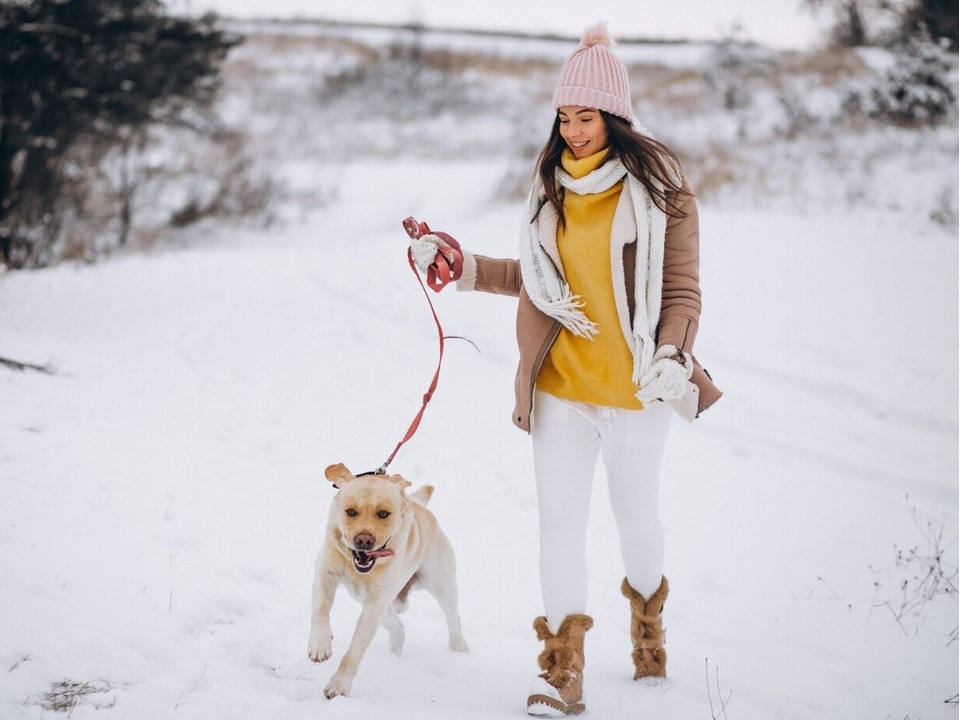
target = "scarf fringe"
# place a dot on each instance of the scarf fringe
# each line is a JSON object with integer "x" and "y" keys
{"x": 567, "y": 311}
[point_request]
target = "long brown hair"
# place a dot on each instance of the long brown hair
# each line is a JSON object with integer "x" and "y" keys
{"x": 648, "y": 160}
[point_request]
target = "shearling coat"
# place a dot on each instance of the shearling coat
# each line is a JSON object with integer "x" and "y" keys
{"x": 536, "y": 331}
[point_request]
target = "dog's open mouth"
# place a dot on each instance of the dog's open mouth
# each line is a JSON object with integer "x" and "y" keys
{"x": 364, "y": 561}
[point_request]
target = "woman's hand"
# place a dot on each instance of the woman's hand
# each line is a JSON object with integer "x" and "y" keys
{"x": 668, "y": 376}
{"x": 424, "y": 250}
{"x": 436, "y": 254}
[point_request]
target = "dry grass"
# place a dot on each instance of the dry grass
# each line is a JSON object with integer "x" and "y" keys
{"x": 487, "y": 64}
{"x": 680, "y": 90}
{"x": 830, "y": 66}
{"x": 715, "y": 168}
{"x": 926, "y": 572}
{"x": 291, "y": 44}
{"x": 64, "y": 695}
{"x": 721, "y": 710}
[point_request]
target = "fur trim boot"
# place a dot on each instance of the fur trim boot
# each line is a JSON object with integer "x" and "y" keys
{"x": 646, "y": 631}
{"x": 558, "y": 690}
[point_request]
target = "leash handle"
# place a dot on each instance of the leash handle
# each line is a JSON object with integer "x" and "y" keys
{"x": 447, "y": 264}
{"x": 445, "y": 271}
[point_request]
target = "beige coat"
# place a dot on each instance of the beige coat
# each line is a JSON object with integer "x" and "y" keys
{"x": 536, "y": 332}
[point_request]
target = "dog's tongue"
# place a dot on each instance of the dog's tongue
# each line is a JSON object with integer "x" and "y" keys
{"x": 382, "y": 552}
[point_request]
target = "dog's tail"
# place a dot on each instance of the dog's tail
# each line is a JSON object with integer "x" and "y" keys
{"x": 422, "y": 495}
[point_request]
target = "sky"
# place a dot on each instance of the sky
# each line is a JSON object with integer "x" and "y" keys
{"x": 778, "y": 23}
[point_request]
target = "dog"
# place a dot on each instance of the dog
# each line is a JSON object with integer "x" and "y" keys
{"x": 380, "y": 543}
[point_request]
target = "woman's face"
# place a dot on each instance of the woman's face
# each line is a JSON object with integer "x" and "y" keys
{"x": 583, "y": 129}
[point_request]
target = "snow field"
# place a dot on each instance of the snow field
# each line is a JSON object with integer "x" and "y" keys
{"x": 163, "y": 495}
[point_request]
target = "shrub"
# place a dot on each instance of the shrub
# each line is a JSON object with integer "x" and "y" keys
{"x": 919, "y": 87}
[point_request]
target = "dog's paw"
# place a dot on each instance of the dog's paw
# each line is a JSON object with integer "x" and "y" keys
{"x": 459, "y": 644}
{"x": 320, "y": 647}
{"x": 337, "y": 686}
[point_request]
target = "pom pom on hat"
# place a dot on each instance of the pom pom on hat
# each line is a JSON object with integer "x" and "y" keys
{"x": 597, "y": 35}
{"x": 594, "y": 77}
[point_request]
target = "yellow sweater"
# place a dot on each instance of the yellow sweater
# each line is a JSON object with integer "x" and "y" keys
{"x": 597, "y": 371}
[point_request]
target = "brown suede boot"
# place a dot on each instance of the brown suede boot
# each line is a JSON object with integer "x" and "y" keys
{"x": 558, "y": 690}
{"x": 646, "y": 631}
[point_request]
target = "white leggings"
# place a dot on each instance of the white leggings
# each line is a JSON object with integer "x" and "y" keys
{"x": 567, "y": 437}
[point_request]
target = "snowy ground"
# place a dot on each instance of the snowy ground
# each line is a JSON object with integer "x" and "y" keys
{"x": 162, "y": 500}
{"x": 162, "y": 496}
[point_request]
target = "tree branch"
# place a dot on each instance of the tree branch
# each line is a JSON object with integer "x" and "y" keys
{"x": 17, "y": 365}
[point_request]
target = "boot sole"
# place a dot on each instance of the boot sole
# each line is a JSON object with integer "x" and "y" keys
{"x": 552, "y": 707}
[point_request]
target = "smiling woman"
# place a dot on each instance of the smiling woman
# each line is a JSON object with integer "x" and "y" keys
{"x": 609, "y": 305}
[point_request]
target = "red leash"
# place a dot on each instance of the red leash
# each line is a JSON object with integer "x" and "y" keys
{"x": 447, "y": 266}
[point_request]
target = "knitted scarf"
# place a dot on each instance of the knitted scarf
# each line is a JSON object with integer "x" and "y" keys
{"x": 637, "y": 218}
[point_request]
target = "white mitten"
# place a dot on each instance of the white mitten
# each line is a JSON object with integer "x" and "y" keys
{"x": 424, "y": 250}
{"x": 667, "y": 377}
{"x": 688, "y": 406}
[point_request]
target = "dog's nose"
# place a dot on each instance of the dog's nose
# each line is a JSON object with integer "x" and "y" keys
{"x": 363, "y": 541}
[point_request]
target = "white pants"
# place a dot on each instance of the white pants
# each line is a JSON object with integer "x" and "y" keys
{"x": 567, "y": 437}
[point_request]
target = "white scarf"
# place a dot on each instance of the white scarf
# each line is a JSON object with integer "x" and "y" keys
{"x": 637, "y": 218}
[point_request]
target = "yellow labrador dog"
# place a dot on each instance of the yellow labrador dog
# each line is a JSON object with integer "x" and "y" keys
{"x": 380, "y": 543}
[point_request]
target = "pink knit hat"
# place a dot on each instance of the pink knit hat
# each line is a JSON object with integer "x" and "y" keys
{"x": 594, "y": 77}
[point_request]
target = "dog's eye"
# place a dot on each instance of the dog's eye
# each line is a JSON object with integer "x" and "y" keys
{"x": 351, "y": 512}
{"x": 383, "y": 514}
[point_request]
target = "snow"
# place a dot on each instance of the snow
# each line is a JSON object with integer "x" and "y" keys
{"x": 162, "y": 496}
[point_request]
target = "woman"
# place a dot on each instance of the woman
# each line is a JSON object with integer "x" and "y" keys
{"x": 609, "y": 305}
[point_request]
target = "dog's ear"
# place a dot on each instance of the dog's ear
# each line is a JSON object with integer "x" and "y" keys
{"x": 338, "y": 474}
{"x": 400, "y": 481}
